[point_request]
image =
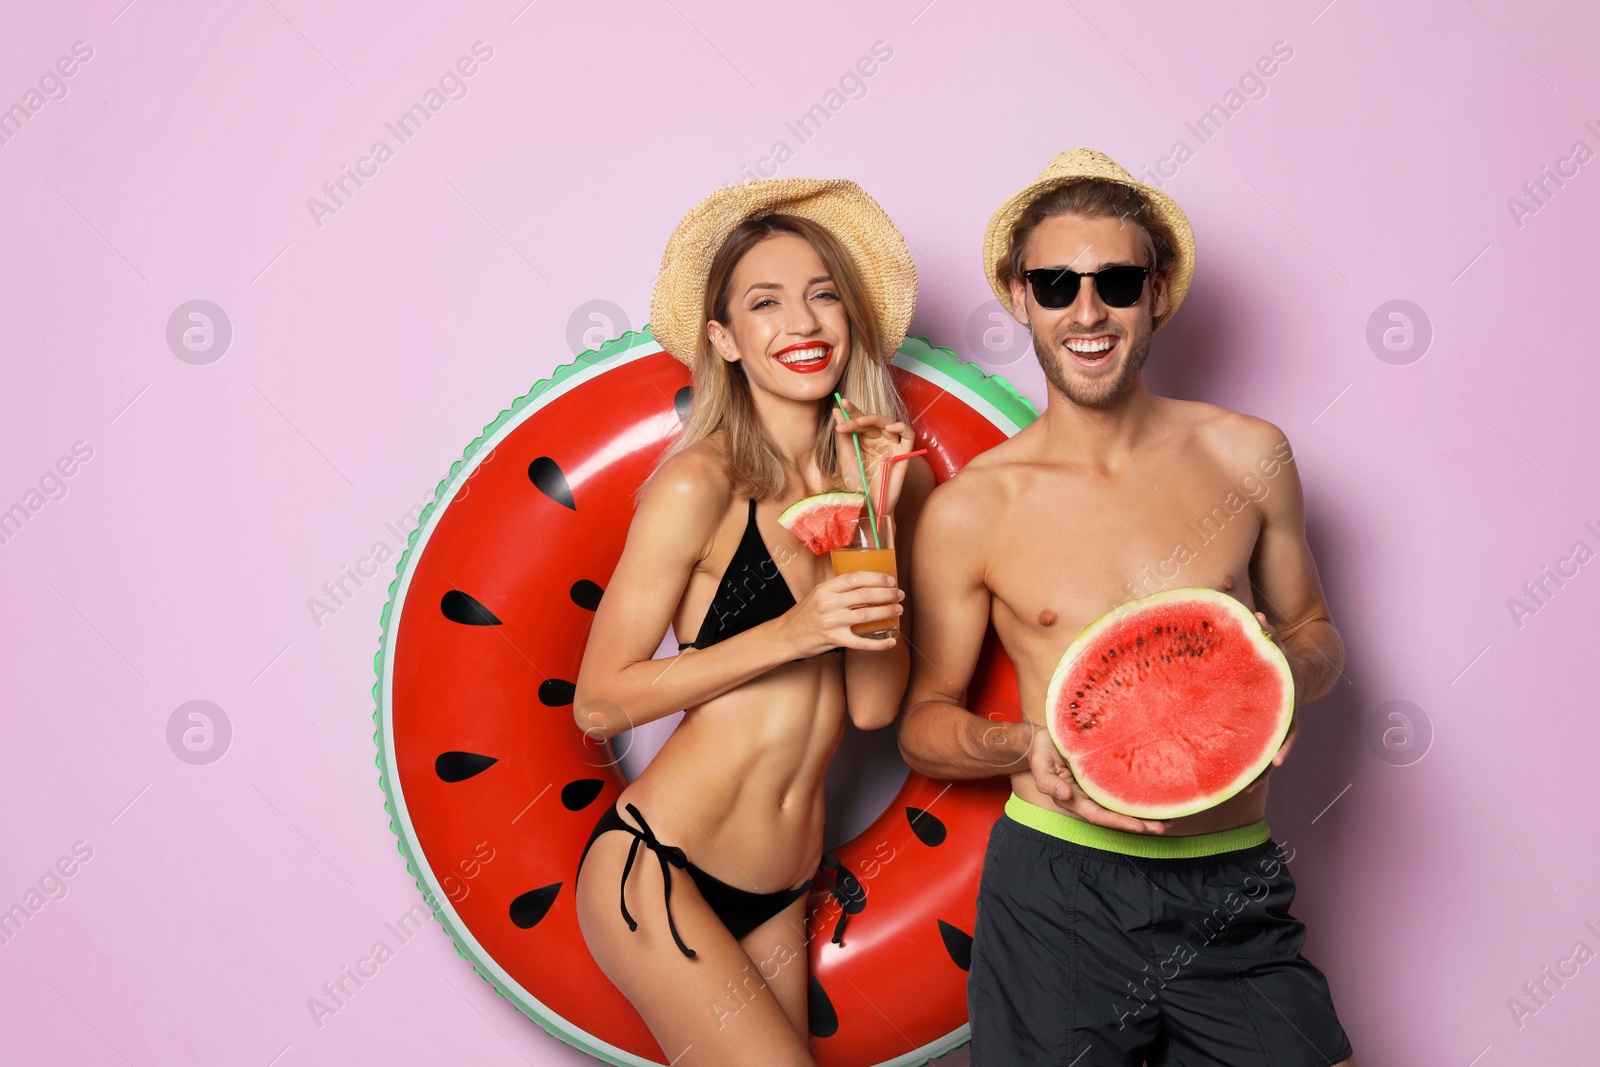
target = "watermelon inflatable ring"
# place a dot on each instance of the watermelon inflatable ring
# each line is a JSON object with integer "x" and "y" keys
{"x": 492, "y": 789}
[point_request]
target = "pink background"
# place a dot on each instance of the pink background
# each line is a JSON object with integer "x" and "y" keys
{"x": 368, "y": 351}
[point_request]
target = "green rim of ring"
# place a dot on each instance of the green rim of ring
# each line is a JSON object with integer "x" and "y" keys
{"x": 989, "y": 394}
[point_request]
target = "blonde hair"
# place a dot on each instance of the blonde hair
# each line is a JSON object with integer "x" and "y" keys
{"x": 722, "y": 400}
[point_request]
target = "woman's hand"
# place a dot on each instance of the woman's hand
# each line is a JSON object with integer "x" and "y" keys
{"x": 880, "y": 440}
{"x": 823, "y": 617}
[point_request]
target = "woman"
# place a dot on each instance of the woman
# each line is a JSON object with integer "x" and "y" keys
{"x": 777, "y": 293}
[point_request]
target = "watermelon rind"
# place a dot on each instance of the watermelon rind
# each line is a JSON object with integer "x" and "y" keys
{"x": 825, "y": 500}
{"x": 991, "y": 396}
{"x": 795, "y": 516}
{"x": 1262, "y": 643}
{"x": 626, "y": 348}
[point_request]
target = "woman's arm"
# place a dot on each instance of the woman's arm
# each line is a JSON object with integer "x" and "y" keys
{"x": 875, "y": 682}
{"x": 619, "y": 685}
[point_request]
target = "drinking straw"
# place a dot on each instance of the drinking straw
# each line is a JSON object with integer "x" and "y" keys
{"x": 883, "y": 475}
{"x": 866, "y": 490}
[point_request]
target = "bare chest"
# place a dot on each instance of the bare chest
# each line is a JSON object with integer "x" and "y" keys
{"x": 1072, "y": 549}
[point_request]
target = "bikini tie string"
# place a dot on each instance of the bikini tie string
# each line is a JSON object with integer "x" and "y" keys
{"x": 846, "y": 889}
{"x": 667, "y": 854}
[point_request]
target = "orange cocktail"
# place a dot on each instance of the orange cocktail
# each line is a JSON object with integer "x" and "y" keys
{"x": 866, "y": 554}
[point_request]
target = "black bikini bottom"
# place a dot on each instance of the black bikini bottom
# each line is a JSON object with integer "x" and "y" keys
{"x": 740, "y": 910}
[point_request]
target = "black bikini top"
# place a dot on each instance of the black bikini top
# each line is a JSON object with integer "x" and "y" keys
{"x": 752, "y": 591}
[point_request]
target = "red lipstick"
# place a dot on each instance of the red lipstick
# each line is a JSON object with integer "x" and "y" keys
{"x": 808, "y": 357}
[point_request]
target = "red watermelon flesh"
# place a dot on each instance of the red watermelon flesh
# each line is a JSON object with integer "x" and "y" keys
{"x": 1170, "y": 704}
{"x": 825, "y": 521}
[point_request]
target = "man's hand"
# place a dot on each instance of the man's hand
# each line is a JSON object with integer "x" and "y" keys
{"x": 1053, "y": 778}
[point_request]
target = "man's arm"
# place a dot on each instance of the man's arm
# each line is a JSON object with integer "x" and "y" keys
{"x": 939, "y": 737}
{"x": 1284, "y": 579}
{"x": 1288, "y": 592}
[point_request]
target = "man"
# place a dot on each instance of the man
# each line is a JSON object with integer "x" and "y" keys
{"x": 1103, "y": 939}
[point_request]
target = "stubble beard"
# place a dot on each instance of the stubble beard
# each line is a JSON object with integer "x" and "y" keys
{"x": 1103, "y": 392}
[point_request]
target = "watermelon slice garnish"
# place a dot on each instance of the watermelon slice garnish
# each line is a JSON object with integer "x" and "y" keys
{"x": 825, "y": 521}
{"x": 1170, "y": 704}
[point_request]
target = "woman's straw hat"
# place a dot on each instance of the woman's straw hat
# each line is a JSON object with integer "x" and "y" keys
{"x": 861, "y": 226}
{"x": 1087, "y": 163}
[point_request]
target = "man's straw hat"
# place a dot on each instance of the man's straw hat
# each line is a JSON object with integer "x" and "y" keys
{"x": 1087, "y": 163}
{"x": 861, "y": 226}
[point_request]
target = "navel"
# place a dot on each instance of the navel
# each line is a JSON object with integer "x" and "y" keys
{"x": 1227, "y": 583}
{"x": 1047, "y": 617}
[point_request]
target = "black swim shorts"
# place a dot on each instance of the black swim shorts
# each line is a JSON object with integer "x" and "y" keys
{"x": 1095, "y": 947}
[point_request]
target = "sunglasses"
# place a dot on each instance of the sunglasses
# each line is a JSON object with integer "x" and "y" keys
{"x": 1057, "y": 287}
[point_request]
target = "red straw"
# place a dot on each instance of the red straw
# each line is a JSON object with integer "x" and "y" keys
{"x": 883, "y": 476}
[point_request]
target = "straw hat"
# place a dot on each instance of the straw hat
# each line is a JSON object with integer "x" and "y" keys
{"x": 861, "y": 226}
{"x": 1087, "y": 163}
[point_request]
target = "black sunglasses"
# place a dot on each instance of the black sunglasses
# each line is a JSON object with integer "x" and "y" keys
{"x": 1057, "y": 287}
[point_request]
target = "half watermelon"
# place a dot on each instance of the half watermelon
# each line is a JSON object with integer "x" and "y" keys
{"x": 825, "y": 521}
{"x": 1170, "y": 704}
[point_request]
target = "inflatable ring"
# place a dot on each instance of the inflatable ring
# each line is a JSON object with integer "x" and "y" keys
{"x": 493, "y": 789}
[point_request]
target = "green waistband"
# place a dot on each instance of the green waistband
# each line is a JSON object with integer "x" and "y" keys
{"x": 1146, "y": 846}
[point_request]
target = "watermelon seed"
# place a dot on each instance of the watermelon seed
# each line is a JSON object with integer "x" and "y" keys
{"x": 958, "y": 943}
{"x": 465, "y": 609}
{"x": 927, "y": 826}
{"x": 579, "y": 794}
{"x": 530, "y": 907}
{"x": 459, "y": 766}
{"x": 546, "y": 475}
{"x": 556, "y": 692}
{"x": 586, "y": 594}
{"x": 1074, "y": 704}
{"x": 821, "y": 1018}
